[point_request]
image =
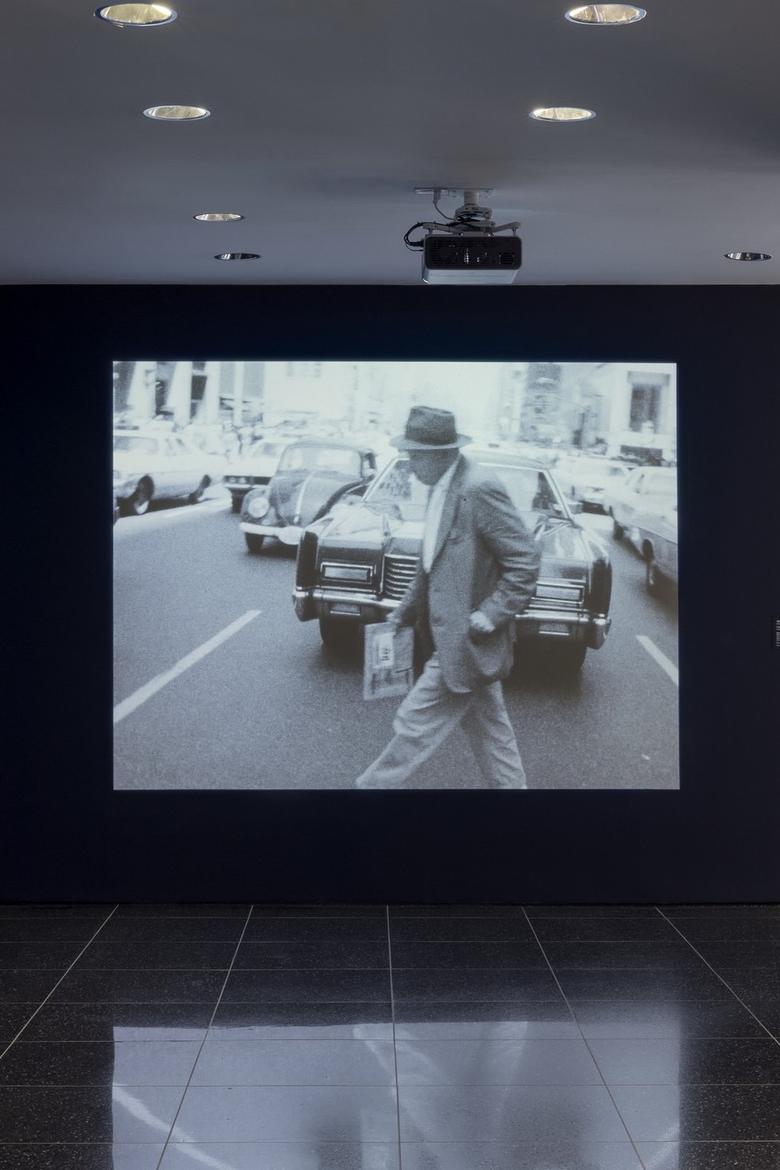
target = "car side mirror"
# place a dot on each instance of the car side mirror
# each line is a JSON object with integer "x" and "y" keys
{"x": 575, "y": 506}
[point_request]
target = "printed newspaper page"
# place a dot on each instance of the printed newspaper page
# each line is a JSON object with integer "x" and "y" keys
{"x": 387, "y": 665}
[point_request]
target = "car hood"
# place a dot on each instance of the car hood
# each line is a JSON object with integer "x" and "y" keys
{"x": 129, "y": 462}
{"x": 299, "y": 496}
{"x": 355, "y": 530}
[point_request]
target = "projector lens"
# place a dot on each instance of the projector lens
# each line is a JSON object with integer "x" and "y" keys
{"x": 136, "y": 15}
{"x": 614, "y": 14}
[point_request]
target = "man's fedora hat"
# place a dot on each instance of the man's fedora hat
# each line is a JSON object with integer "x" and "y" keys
{"x": 428, "y": 429}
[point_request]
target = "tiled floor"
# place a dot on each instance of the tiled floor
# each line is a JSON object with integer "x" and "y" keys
{"x": 233, "y": 1037}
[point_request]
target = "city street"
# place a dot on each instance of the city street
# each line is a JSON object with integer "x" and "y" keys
{"x": 218, "y": 686}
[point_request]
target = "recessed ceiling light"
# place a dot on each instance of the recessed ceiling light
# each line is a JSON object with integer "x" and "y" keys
{"x": 177, "y": 113}
{"x": 747, "y": 256}
{"x": 562, "y": 114}
{"x": 136, "y": 15}
{"x": 237, "y": 256}
{"x": 606, "y": 14}
{"x": 217, "y": 216}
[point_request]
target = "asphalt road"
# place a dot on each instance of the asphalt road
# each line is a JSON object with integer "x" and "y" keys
{"x": 217, "y": 684}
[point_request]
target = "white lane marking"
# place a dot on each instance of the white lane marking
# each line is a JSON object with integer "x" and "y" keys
{"x": 132, "y": 702}
{"x": 664, "y": 662}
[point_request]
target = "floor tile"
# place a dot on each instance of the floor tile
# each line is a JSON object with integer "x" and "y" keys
{"x": 697, "y": 1113}
{"x": 496, "y": 1062}
{"x": 682, "y": 1018}
{"x": 516, "y": 955}
{"x": 80, "y": 1157}
{"x": 304, "y": 1155}
{"x": 13, "y": 1016}
{"x": 710, "y": 1155}
{"x": 38, "y": 955}
{"x": 172, "y": 930}
{"x": 120, "y": 1021}
{"x": 521, "y": 1156}
{"x": 310, "y": 1114}
{"x": 323, "y": 955}
{"x": 740, "y": 954}
{"x": 140, "y": 987}
{"x": 27, "y": 986}
{"x": 442, "y": 910}
{"x": 84, "y": 1115}
{"x": 296, "y": 1062}
{"x": 317, "y": 929}
{"x": 47, "y": 930}
{"x": 320, "y": 910}
{"x": 173, "y": 956}
{"x": 126, "y": 1062}
{"x": 484, "y": 1021}
{"x": 516, "y": 1114}
{"x": 688, "y": 1062}
{"x": 673, "y": 954}
{"x": 462, "y": 930}
{"x": 314, "y": 986}
{"x": 303, "y": 1021}
{"x": 767, "y": 1009}
{"x": 660, "y": 986}
{"x": 183, "y": 910}
{"x": 593, "y": 911}
{"x": 612, "y": 929}
{"x": 765, "y": 909}
{"x": 725, "y": 928}
{"x": 751, "y": 981}
{"x": 55, "y": 910}
{"x": 471, "y": 984}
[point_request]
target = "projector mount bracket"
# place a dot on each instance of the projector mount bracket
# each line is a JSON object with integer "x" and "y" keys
{"x": 469, "y": 219}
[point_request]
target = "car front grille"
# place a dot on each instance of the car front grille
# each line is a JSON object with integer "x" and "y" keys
{"x": 397, "y": 575}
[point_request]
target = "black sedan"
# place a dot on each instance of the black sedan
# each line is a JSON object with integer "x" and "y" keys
{"x": 312, "y": 475}
{"x": 355, "y": 563}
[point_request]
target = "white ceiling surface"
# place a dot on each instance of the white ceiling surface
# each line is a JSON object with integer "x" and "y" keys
{"x": 326, "y": 114}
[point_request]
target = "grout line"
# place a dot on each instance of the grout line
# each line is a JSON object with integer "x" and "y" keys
{"x": 720, "y": 977}
{"x": 395, "y": 1050}
{"x": 585, "y": 1042}
{"x": 59, "y": 981}
{"x": 205, "y": 1037}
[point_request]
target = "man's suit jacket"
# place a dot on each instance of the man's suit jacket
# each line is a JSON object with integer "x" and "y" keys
{"x": 485, "y": 558}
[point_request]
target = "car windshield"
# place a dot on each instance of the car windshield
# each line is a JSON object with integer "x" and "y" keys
{"x": 138, "y": 443}
{"x": 310, "y": 457}
{"x": 530, "y": 490}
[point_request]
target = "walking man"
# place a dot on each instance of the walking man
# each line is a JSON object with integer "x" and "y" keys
{"x": 477, "y": 570}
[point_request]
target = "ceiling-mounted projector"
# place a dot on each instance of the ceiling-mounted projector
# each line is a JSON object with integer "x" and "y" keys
{"x": 467, "y": 248}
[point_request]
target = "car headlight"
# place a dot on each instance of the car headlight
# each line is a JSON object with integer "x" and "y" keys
{"x": 258, "y": 506}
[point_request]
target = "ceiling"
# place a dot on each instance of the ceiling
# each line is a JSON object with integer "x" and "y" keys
{"x": 326, "y": 115}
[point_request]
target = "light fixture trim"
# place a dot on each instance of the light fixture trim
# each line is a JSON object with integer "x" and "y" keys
{"x": 218, "y": 216}
{"x": 747, "y": 256}
{"x": 136, "y": 15}
{"x": 237, "y": 256}
{"x": 606, "y": 15}
{"x": 562, "y": 114}
{"x": 177, "y": 113}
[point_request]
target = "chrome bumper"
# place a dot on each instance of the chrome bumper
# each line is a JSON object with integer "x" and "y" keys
{"x": 288, "y": 533}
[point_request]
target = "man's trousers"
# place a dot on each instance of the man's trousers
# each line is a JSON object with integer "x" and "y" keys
{"x": 427, "y": 716}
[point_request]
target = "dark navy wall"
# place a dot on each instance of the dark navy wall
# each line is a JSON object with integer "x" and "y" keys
{"x": 70, "y": 837}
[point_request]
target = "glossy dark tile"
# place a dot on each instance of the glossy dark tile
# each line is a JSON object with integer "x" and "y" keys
{"x": 688, "y": 1062}
{"x": 296, "y": 1062}
{"x": 660, "y": 953}
{"x": 320, "y": 910}
{"x": 521, "y": 1156}
{"x": 446, "y": 911}
{"x": 654, "y": 985}
{"x": 183, "y": 910}
{"x": 27, "y": 986}
{"x": 594, "y": 911}
{"x": 496, "y": 1062}
{"x": 484, "y": 1021}
{"x": 81, "y": 986}
{"x": 698, "y": 1113}
{"x": 333, "y": 954}
{"x": 80, "y": 1157}
{"x": 317, "y": 929}
{"x": 432, "y": 929}
{"x": 516, "y": 955}
{"x": 120, "y": 1021}
{"x": 612, "y": 929}
{"x": 85, "y": 1115}
{"x": 656, "y": 1019}
{"x": 469, "y": 985}
{"x": 729, "y": 928}
{"x": 740, "y": 909}
{"x": 767, "y": 1010}
{"x": 752, "y": 981}
{"x": 174, "y": 956}
{"x": 710, "y": 1155}
{"x": 55, "y": 910}
{"x": 303, "y": 1021}
{"x": 172, "y": 930}
{"x": 314, "y": 986}
{"x": 325, "y": 1155}
{"x": 740, "y": 954}
{"x": 13, "y": 1016}
{"x": 48, "y": 930}
{"x": 582, "y": 1113}
{"x": 102, "y": 1064}
{"x": 50, "y": 956}
{"x": 310, "y": 1114}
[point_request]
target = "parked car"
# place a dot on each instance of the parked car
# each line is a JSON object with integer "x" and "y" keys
{"x": 253, "y": 469}
{"x": 589, "y": 478}
{"x": 645, "y": 489}
{"x": 311, "y": 476}
{"x": 654, "y": 534}
{"x": 156, "y": 465}
{"x": 355, "y": 563}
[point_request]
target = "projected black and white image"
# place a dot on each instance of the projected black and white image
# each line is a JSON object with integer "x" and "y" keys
{"x": 511, "y": 525}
